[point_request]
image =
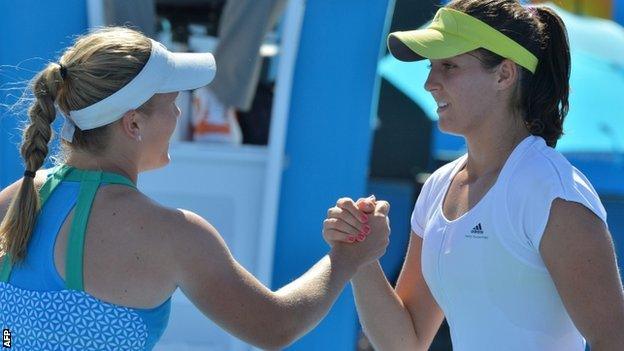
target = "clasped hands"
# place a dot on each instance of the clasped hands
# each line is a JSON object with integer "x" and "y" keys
{"x": 359, "y": 229}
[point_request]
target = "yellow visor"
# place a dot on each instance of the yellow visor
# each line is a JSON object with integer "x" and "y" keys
{"x": 453, "y": 33}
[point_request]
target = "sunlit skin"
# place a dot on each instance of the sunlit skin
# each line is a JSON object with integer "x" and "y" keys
{"x": 478, "y": 108}
{"x": 138, "y": 252}
{"x": 157, "y": 131}
{"x": 463, "y": 84}
{"x": 139, "y": 141}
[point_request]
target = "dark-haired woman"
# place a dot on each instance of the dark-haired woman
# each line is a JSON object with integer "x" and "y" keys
{"x": 509, "y": 242}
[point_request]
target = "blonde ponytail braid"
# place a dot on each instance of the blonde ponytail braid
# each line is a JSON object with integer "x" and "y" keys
{"x": 19, "y": 221}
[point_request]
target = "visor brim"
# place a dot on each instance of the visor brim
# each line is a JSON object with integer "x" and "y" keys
{"x": 427, "y": 43}
{"x": 190, "y": 71}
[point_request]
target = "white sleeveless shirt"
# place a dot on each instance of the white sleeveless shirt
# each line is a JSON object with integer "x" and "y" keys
{"x": 484, "y": 268}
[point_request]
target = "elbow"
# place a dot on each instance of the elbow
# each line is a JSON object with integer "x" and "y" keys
{"x": 282, "y": 343}
{"x": 277, "y": 340}
{"x": 395, "y": 342}
{"x": 286, "y": 335}
{"x": 396, "y": 345}
{"x": 285, "y": 327}
{"x": 613, "y": 342}
{"x": 610, "y": 339}
{"x": 286, "y": 339}
{"x": 269, "y": 345}
{"x": 278, "y": 334}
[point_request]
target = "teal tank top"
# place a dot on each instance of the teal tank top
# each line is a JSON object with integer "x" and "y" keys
{"x": 43, "y": 312}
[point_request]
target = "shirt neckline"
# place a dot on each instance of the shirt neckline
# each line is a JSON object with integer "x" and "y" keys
{"x": 511, "y": 159}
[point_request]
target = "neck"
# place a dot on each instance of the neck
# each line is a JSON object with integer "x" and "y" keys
{"x": 122, "y": 166}
{"x": 490, "y": 147}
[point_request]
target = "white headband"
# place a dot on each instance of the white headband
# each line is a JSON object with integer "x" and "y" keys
{"x": 164, "y": 72}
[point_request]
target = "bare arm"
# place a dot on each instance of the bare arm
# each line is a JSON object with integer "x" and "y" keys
{"x": 578, "y": 252}
{"x": 228, "y": 294}
{"x": 405, "y": 318}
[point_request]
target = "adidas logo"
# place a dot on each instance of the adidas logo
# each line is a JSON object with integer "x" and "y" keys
{"x": 477, "y": 229}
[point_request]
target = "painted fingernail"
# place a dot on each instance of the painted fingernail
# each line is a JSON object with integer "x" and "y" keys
{"x": 361, "y": 237}
{"x": 364, "y": 218}
{"x": 351, "y": 239}
{"x": 366, "y": 230}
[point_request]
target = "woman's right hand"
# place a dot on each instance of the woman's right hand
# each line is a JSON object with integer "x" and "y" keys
{"x": 358, "y": 231}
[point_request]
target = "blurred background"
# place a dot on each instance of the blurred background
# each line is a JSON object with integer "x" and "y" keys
{"x": 307, "y": 107}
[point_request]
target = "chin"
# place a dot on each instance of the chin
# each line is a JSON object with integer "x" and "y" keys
{"x": 447, "y": 128}
{"x": 166, "y": 160}
{"x": 162, "y": 162}
{"x": 157, "y": 164}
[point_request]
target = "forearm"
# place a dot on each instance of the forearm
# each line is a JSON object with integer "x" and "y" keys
{"x": 385, "y": 320}
{"x": 305, "y": 301}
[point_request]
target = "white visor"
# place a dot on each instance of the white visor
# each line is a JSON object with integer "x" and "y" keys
{"x": 164, "y": 72}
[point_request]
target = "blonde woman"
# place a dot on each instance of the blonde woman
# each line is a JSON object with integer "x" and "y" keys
{"x": 88, "y": 261}
{"x": 509, "y": 242}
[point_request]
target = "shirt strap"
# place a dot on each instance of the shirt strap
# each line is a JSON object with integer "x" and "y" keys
{"x": 54, "y": 179}
{"x": 89, "y": 183}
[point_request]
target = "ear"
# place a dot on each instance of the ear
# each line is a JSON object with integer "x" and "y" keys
{"x": 506, "y": 75}
{"x": 131, "y": 124}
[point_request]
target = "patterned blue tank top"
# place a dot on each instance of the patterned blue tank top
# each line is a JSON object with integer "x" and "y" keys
{"x": 40, "y": 310}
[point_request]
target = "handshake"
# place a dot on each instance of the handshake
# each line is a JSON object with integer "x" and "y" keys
{"x": 358, "y": 231}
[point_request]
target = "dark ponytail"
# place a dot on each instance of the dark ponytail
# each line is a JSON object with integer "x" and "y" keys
{"x": 546, "y": 94}
{"x": 542, "y": 97}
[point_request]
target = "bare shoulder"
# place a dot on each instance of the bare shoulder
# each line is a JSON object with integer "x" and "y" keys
{"x": 194, "y": 235}
{"x": 174, "y": 222}
{"x": 178, "y": 232}
{"x": 196, "y": 249}
{"x": 135, "y": 236}
{"x": 575, "y": 218}
{"x": 197, "y": 255}
{"x": 575, "y": 228}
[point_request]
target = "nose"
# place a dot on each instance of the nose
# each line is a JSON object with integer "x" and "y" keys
{"x": 432, "y": 84}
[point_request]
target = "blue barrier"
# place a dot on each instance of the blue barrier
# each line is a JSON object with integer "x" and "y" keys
{"x": 328, "y": 143}
{"x": 33, "y": 33}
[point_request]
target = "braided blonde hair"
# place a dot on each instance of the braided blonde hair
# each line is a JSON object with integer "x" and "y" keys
{"x": 96, "y": 66}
